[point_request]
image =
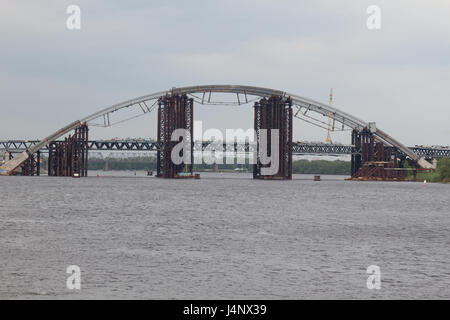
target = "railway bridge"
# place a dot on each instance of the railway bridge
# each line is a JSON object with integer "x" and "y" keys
{"x": 298, "y": 148}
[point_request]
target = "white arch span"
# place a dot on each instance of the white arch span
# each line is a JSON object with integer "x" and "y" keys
{"x": 302, "y": 102}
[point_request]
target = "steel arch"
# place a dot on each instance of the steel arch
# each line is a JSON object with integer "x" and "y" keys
{"x": 310, "y": 105}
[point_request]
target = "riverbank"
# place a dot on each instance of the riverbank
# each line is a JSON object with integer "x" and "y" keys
{"x": 337, "y": 167}
{"x": 441, "y": 174}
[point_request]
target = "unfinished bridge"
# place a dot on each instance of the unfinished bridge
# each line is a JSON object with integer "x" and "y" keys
{"x": 375, "y": 154}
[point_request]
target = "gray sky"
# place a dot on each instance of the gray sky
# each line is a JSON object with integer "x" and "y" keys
{"x": 398, "y": 76}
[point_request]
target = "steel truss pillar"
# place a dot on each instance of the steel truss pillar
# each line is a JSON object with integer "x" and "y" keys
{"x": 274, "y": 113}
{"x": 356, "y": 157}
{"x": 29, "y": 166}
{"x": 69, "y": 158}
{"x": 373, "y": 160}
{"x": 174, "y": 112}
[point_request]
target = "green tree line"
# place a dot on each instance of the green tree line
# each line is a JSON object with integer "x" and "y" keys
{"x": 337, "y": 167}
{"x": 441, "y": 174}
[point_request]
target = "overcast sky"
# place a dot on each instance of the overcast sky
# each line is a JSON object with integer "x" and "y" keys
{"x": 398, "y": 76}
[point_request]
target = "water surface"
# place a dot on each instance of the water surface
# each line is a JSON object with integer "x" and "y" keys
{"x": 224, "y": 236}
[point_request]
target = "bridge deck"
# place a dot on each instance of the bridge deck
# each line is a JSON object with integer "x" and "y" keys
{"x": 299, "y": 148}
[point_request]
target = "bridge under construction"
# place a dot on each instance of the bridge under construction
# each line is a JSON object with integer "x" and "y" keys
{"x": 374, "y": 154}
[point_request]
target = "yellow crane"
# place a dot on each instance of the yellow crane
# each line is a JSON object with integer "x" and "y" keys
{"x": 330, "y": 118}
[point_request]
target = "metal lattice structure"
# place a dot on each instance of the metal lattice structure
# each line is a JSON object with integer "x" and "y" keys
{"x": 203, "y": 94}
{"x": 32, "y": 166}
{"x": 174, "y": 112}
{"x": 69, "y": 158}
{"x": 298, "y": 148}
{"x": 274, "y": 113}
{"x": 374, "y": 161}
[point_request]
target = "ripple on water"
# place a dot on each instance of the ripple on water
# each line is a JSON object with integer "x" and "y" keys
{"x": 223, "y": 236}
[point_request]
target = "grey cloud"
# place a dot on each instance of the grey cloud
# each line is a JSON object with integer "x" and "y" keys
{"x": 398, "y": 76}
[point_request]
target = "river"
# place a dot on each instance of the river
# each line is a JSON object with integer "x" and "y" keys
{"x": 224, "y": 236}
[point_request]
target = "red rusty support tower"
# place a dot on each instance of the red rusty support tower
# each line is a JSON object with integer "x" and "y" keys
{"x": 29, "y": 167}
{"x": 32, "y": 166}
{"x": 373, "y": 160}
{"x": 70, "y": 157}
{"x": 174, "y": 112}
{"x": 274, "y": 113}
{"x": 356, "y": 159}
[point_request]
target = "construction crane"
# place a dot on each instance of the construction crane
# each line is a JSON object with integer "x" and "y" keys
{"x": 328, "y": 140}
